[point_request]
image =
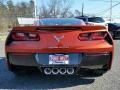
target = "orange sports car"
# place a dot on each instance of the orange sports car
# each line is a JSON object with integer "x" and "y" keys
{"x": 59, "y": 46}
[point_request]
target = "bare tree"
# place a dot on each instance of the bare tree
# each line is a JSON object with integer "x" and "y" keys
{"x": 10, "y": 11}
{"x": 78, "y": 13}
{"x": 56, "y": 8}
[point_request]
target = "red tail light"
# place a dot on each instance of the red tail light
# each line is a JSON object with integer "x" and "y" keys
{"x": 92, "y": 36}
{"x": 19, "y": 36}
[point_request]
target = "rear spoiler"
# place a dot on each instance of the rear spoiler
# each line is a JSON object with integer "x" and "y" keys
{"x": 82, "y": 28}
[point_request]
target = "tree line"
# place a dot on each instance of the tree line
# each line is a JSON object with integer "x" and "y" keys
{"x": 10, "y": 11}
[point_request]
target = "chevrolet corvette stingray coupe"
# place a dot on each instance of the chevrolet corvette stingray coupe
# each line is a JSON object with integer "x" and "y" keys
{"x": 59, "y": 46}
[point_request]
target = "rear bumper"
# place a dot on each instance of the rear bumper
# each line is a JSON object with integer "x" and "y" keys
{"x": 82, "y": 60}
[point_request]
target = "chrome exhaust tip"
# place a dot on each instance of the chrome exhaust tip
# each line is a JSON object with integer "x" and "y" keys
{"x": 62, "y": 71}
{"x": 55, "y": 71}
{"x": 70, "y": 71}
{"x": 47, "y": 71}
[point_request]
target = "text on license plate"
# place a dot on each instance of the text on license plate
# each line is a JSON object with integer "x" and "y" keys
{"x": 58, "y": 59}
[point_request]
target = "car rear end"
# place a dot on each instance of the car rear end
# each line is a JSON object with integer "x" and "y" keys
{"x": 60, "y": 49}
{"x": 114, "y": 29}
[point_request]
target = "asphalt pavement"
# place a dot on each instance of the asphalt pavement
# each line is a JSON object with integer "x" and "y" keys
{"x": 34, "y": 80}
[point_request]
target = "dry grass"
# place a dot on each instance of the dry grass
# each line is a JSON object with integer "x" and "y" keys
{"x": 3, "y": 37}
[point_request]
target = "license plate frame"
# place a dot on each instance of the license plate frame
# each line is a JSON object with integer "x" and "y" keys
{"x": 59, "y": 59}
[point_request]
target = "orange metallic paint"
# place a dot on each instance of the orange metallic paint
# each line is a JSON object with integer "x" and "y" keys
{"x": 69, "y": 44}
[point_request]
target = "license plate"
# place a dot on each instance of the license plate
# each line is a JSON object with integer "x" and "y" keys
{"x": 58, "y": 59}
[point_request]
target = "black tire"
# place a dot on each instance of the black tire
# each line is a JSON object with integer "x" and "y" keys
{"x": 12, "y": 68}
{"x": 22, "y": 70}
{"x": 16, "y": 69}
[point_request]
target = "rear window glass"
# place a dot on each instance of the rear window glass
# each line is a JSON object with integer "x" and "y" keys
{"x": 84, "y": 19}
{"x": 96, "y": 19}
{"x": 59, "y": 22}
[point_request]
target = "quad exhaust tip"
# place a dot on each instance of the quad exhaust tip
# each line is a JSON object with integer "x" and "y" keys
{"x": 70, "y": 71}
{"x": 47, "y": 71}
{"x": 55, "y": 71}
{"x": 62, "y": 71}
